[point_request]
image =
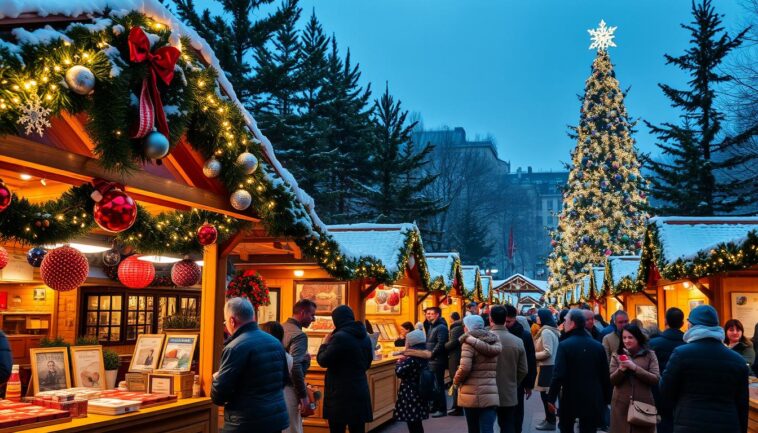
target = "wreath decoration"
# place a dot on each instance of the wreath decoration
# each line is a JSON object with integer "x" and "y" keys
{"x": 249, "y": 285}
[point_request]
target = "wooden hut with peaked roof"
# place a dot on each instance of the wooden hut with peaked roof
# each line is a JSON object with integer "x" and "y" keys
{"x": 523, "y": 291}
{"x": 446, "y": 281}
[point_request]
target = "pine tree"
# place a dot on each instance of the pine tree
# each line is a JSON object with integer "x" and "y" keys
{"x": 349, "y": 137}
{"x": 398, "y": 192}
{"x": 603, "y": 202}
{"x": 471, "y": 238}
{"x": 688, "y": 178}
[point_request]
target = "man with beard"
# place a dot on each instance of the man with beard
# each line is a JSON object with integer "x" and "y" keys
{"x": 296, "y": 343}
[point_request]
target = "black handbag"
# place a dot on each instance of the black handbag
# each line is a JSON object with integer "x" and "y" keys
{"x": 545, "y": 376}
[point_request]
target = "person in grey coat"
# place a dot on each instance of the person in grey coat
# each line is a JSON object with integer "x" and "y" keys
{"x": 453, "y": 348}
{"x": 296, "y": 343}
{"x": 511, "y": 370}
{"x": 252, "y": 375}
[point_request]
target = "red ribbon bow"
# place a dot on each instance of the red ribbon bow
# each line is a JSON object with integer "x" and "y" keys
{"x": 161, "y": 64}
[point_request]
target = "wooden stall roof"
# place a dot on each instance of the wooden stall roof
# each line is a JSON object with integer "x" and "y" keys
{"x": 621, "y": 274}
{"x": 445, "y": 272}
{"x": 472, "y": 281}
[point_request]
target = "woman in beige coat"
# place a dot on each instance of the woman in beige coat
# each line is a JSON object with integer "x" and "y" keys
{"x": 634, "y": 372}
{"x": 476, "y": 377}
{"x": 545, "y": 348}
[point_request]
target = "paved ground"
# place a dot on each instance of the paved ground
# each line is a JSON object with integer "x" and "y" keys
{"x": 533, "y": 414}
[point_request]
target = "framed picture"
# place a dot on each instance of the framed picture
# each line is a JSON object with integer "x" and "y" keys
{"x": 648, "y": 314}
{"x": 320, "y": 325}
{"x": 314, "y": 342}
{"x": 160, "y": 384}
{"x": 696, "y": 303}
{"x": 147, "y": 352}
{"x": 386, "y": 300}
{"x": 327, "y": 295}
{"x": 269, "y": 313}
{"x": 88, "y": 367}
{"x": 40, "y": 294}
{"x": 50, "y": 371}
{"x": 178, "y": 352}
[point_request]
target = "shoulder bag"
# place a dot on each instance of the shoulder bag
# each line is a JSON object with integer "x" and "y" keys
{"x": 639, "y": 413}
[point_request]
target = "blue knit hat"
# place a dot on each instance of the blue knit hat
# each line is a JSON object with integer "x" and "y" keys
{"x": 704, "y": 315}
{"x": 473, "y": 322}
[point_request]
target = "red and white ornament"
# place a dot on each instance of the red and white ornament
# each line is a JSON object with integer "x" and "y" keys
{"x": 381, "y": 297}
{"x": 64, "y": 269}
{"x": 5, "y": 196}
{"x": 3, "y": 257}
{"x": 185, "y": 273}
{"x": 394, "y": 299}
{"x": 114, "y": 210}
{"x": 135, "y": 274}
{"x": 207, "y": 234}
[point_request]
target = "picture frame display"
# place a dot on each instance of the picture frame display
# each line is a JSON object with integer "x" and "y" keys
{"x": 383, "y": 293}
{"x": 147, "y": 353}
{"x": 320, "y": 325}
{"x": 268, "y": 313}
{"x": 178, "y": 352}
{"x": 160, "y": 384}
{"x": 50, "y": 369}
{"x": 88, "y": 366}
{"x": 327, "y": 295}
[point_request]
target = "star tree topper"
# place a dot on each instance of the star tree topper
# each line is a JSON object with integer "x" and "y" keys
{"x": 602, "y": 37}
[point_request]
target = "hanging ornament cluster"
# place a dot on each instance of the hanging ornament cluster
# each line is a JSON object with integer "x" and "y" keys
{"x": 212, "y": 168}
{"x": 3, "y": 257}
{"x": 207, "y": 234}
{"x": 135, "y": 273}
{"x": 80, "y": 80}
{"x": 185, "y": 273}
{"x": 381, "y": 298}
{"x": 5, "y": 196}
{"x": 64, "y": 269}
{"x": 241, "y": 199}
{"x": 114, "y": 210}
{"x": 35, "y": 255}
{"x": 247, "y": 162}
{"x": 112, "y": 257}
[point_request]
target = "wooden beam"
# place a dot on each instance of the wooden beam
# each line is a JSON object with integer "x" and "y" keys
{"x": 211, "y": 317}
{"x": 78, "y": 168}
{"x": 653, "y": 300}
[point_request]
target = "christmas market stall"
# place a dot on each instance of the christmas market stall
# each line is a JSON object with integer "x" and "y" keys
{"x": 446, "y": 282}
{"x": 472, "y": 283}
{"x": 597, "y": 299}
{"x": 524, "y": 293}
{"x": 623, "y": 291}
{"x": 131, "y": 172}
{"x": 486, "y": 289}
{"x": 689, "y": 261}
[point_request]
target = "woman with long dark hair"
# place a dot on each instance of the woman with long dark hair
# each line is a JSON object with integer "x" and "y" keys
{"x": 634, "y": 373}
{"x": 734, "y": 338}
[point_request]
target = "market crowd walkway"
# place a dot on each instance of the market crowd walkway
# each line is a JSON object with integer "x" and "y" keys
{"x": 533, "y": 415}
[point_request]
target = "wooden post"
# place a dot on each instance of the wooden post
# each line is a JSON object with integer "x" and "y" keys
{"x": 211, "y": 316}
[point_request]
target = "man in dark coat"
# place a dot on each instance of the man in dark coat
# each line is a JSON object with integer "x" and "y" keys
{"x": 525, "y": 388}
{"x": 589, "y": 325}
{"x": 436, "y": 338}
{"x": 295, "y": 341}
{"x": 663, "y": 346}
{"x": 453, "y": 349}
{"x": 580, "y": 377}
{"x": 251, "y": 378}
{"x": 705, "y": 381}
{"x": 346, "y": 354}
{"x": 6, "y": 358}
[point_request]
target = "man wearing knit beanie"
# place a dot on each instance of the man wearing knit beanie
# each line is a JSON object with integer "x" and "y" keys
{"x": 705, "y": 382}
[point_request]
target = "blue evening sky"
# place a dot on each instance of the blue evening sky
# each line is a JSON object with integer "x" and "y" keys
{"x": 513, "y": 68}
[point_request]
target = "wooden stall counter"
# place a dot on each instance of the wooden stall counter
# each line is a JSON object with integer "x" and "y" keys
{"x": 191, "y": 415}
{"x": 382, "y": 384}
{"x": 752, "y": 421}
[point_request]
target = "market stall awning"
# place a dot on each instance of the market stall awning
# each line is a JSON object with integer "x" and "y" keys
{"x": 445, "y": 271}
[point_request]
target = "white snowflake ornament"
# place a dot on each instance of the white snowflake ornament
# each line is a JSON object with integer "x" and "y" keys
{"x": 602, "y": 37}
{"x": 34, "y": 116}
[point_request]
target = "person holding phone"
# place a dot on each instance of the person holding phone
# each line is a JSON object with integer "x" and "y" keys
{"x": 634, "y": 373}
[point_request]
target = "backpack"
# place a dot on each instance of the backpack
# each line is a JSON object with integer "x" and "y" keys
{"x": 427, "y": 384}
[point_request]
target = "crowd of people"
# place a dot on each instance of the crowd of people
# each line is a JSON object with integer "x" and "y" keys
{"x": 620, "y": 377}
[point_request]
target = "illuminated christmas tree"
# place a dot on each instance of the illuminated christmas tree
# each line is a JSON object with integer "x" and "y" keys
{"x": 604, "y": 204}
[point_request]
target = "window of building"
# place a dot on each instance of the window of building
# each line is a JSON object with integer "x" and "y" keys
{"x": 118, "y": 316}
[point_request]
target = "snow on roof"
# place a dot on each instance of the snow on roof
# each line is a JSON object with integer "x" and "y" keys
{"x": 441, "y": 265}
{"x": 623, "y": 266}
{"x": 541, "y": 285}
{"x": 384, "y": 242}
{"x": 486, "y": 286}
{"x": 497, "y": 283}
{"x": 598, "y": 274}
{"x": 684, "y": 237}
{"x": 469, "y": 277}
{"x": 158, "y": 12}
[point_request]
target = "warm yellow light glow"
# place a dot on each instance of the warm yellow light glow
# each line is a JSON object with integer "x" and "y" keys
{"x": 299, "y": 272}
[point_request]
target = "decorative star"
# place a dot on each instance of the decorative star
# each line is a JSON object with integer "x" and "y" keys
{"x": 602, "y": 37}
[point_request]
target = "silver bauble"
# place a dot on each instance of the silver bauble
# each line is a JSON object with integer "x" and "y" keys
{"x": 241, "y": 199}
{"x": 80, "y": 80}
{"x": 247, "y": 162}
{"x": 156, "y": 145}
{"x": 212, "y": 168}
{"x": 112, "y": 257}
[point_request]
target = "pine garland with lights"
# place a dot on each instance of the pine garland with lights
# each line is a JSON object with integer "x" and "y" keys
{"x": 604, "y": 203}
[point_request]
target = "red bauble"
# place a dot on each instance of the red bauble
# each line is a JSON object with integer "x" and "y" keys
{"x": 185, "y": 273}
{"x": 393, "y": 299}
{"x": 64, "y": 269}
{"x": 5, "y": 197}
{"x": 116, "y": 211}
{"x": 136, "y": 274}
{"x": 207, "y": 234}
{"x": 3, "y": 257}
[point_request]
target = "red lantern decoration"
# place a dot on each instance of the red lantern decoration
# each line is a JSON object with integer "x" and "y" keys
{"x": 393, "y": 299}
{"x": 136, "y": 274}
{"x": 114, "y": 210}
{"x": 64, "y": 269}
{"x": 207, "y": 234}
{"x": 3, "y": 257}
{"x": 5, "y": 196}
{"x": 185, "y": 273}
